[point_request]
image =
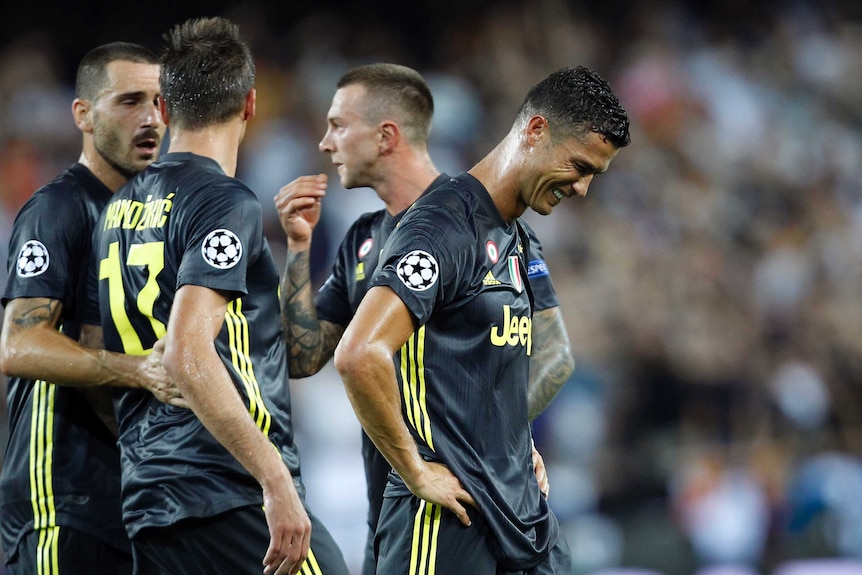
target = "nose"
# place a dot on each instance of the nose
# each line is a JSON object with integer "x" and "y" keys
{"x": 152, "y": 115}
{"x": 582, "y": 184}
{"x": 325, "y": 144}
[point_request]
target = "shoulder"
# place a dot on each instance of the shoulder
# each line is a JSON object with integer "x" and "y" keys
{"x": 63, "y": 197}
{"x": 452, "y": 201}
{"x": 366, "y": 221}
{"x": 192, "y": 180}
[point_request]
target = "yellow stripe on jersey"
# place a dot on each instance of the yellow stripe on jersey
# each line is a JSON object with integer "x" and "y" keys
{"x": 237, "y": 326}
{"x": 423, "y": 547}
{"x": 41, "y": 476}
{"x": 48, "y": 551}
{"x": 413, "y": 385}
{"x": 310, "y": 565}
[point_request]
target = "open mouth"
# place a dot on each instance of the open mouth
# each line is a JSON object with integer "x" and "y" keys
{"x": 558, "y": 194}
{"x": 148, "y": 146}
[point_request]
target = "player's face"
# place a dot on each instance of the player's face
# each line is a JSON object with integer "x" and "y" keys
{"x": 350, "y": 139}
{"x": 564, "y": 169}
{"x": 127, "y": 125}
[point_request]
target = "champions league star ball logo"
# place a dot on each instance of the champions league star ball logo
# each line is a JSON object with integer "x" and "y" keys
{"x": 418, "y": 270}
{"x": 221, "y": 249}
{"x": 32, "y": 259}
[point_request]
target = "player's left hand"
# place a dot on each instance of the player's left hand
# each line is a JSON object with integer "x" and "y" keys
{"x": 155, "y": 379}
{"x": 541, "y": 472}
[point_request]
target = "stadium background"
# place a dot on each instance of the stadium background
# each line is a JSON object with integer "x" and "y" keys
{"x": 710, "y": 281}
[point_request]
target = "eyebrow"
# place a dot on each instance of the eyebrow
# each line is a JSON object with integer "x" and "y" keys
{"x": 133, "y": 94}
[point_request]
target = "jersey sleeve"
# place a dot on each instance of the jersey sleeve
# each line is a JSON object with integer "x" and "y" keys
{"x": 421, "y": 261}
{"x": 332, "y": 301}
{"x": 538, "y": 273}
{"x": 45, "y": 248}
{"x": 221, "y": 235}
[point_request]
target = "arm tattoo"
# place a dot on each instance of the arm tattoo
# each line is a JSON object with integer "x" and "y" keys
{"x": 551, "y": 363}
{"x": 310, "y": 342}
{"x": 39, "y": 311}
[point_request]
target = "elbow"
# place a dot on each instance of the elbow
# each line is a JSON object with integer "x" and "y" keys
{"x": 300, "y": 369}
{"x": 7, "y": 361}
{"x": 172, "y": 359}
{"x": 10, "y": 358}
{"x": 567, "y": 362}
{"x": 346, "y": 358}
{"x": 354, "y": 359}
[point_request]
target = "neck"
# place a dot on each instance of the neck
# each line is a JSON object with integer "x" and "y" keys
{"x": 106, "y": 173}
{"x": 498, "y": 172}
{"x": 407, "y": 177}
{"x": 219, "y": 142}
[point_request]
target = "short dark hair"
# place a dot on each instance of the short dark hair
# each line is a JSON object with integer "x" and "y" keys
{"x": 397, "y": 90}
{"x": 207, "y": 71}
{"x": 578, "y": 101}
{"x": 92, "y": 70}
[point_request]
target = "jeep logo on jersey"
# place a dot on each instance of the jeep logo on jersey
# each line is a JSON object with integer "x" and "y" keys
{"x": 32, "y": 259}
{"x": 513, "y": 330}
{"x": 221, "y": 249}
{"x": 418, "y": 270}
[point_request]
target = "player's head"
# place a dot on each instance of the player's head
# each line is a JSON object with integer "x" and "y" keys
{"x": 571, "y": 125}
{"x": 207, "y": 72}
{"x": 115, "y": 106}
{"x": 376, "y": 107}
{"x": 576, "y": 101}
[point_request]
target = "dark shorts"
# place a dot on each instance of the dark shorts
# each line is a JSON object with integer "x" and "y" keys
{"x": 416, "y": 537}
{"x": 369, "y": 565}
{"x": 61, "y": 550}
{"x": 231, "y": 543}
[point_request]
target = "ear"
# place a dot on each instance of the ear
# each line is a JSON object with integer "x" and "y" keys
{"x": 537, "y": 128}
{"x": 163, "y": 110}
{"x": 250, "y": 105}
{"x": 81, "y": 114}
{"x": 390, "y": 136}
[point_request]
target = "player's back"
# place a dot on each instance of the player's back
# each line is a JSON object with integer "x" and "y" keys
{"x": 181, "y": 222}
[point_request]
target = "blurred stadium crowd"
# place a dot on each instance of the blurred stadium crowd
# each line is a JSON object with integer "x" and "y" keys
{"x": 710, "y": 281}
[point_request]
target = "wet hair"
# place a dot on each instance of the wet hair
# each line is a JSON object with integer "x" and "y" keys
{"x": 576, "y": 101}
{"x": 206, "y": 72}
{"x": 93, "y": 69}
{"x": 395, "y": 92}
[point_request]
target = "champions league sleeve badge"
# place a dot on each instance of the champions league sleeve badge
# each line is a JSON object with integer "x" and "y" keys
{"x": 221, "y": 249}
{"x": 33, "y": 259}
{"x": 418, "y": 270}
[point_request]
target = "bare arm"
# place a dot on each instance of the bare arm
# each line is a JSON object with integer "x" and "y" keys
{"x": 32, "y": 347}
{"x": 382, "y": 324}
{"x": 551, "y": 363}
{"x": 98, "y": 397}
{"x": 310, "y": 341}
{"x": 193, "y": 363}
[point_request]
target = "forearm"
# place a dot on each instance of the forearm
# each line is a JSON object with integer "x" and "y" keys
{"x": 308, "y": 346}
{"x": 42, "y": 352}
{"x": 551, "y": 363}
{"x": 211, "y": 394}
{"x": 372, "y": 389}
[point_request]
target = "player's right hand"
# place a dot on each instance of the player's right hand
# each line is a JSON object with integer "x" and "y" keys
{"x": 439, "y": 485}
{"x": 289, "y": 529}
{"x": 298, "y": 206}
